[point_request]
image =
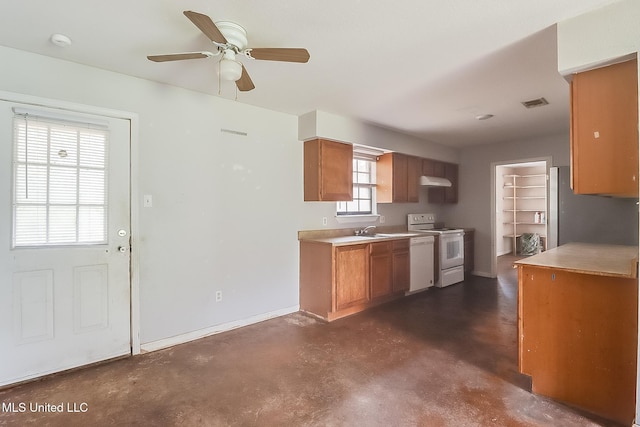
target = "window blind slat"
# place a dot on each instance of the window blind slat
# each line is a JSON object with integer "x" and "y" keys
{"x": 60, "y": 180}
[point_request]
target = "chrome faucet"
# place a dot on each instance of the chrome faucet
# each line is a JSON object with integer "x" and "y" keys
{"x": 364, "y": 231}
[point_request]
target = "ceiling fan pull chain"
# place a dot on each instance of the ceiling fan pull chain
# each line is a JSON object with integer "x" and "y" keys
{"x": 219, "y": 80}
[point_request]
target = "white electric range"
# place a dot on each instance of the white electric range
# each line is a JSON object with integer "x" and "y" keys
{"x": 449, "y": 244}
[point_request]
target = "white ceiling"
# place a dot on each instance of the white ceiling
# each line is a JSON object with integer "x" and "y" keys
{"x": 423, "y": 67}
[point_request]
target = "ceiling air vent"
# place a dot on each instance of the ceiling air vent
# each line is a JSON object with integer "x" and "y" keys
{"x": 535, "y": 103}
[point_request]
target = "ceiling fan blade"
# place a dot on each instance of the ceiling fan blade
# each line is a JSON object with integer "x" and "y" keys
{"x": 206, "y": 25}
{"x": 177, "y": 56}
{"x": 244, "y": 83}
{"x": 280, "y": 54}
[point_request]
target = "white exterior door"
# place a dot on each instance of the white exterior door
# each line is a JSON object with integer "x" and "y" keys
{"x": 63, "y": 304}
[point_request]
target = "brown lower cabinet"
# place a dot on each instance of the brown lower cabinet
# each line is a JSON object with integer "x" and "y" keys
{"x": 352, "y": 276}
{"x": 336, "y": 281}
{"x": 401, "y": 266}
{"x": 578, "y": 338}
{"x": 381, "y": 268}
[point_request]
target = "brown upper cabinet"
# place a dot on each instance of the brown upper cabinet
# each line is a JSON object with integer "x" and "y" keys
{"x": 604, "y": 130}
{"x": 432, "y": 167}
{"x": 397, "y": 177}
{"x": 414, "y": 170}
{"x": 442, "y": 170}
{"x": 328, "y": 171}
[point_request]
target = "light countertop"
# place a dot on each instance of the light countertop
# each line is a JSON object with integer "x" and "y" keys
{"x": 353, "y": 240}
{"x": 589, "y": 258}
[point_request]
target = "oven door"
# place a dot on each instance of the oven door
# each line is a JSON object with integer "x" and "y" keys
{"x": 451, "y": 250}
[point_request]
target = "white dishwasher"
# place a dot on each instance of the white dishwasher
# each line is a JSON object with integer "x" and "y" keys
{"x": 421, "y": 261}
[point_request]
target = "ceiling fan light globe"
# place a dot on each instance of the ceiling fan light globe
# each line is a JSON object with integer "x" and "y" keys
{"x": 230, "y": 70}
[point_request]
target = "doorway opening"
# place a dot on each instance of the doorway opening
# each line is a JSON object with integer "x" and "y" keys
{"x": 519, "y": 209}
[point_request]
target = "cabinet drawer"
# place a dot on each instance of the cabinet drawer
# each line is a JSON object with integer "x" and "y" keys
{"x": 400, "y": 245}
{"x": 380, "y": 248}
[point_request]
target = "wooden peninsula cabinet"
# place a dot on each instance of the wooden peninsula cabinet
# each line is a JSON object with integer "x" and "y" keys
{"x": 578, "y": 326}
{"x": 337, "y": 280}
{"x": 328, "y": 170}
{"x": 604, "y": 131}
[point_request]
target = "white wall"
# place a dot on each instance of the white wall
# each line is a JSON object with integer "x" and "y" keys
{"x": 474, "y": 207}
{"x": 598, "y": 36}
{"x": 227, "y": 208}
{"x": 320, "y": 124}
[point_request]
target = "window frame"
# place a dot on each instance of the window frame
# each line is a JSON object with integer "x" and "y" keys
{"x": 47, "y": 163}
{"x": 370, "y": 155}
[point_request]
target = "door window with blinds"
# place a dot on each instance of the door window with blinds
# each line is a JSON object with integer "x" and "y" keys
{"x": 363, "y": 202}
{"x": 59, "y": 181}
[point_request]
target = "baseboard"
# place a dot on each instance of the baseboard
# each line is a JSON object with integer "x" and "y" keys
{"x": 483, "y": 274}
{"x": 224, "y": 327}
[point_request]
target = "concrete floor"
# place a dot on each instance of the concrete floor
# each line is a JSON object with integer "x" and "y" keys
{"x": 444, "y": 357}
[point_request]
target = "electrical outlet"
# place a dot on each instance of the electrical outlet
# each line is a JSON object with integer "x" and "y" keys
{"x": 382, "y": 219}
{"x": 218, "y": 296}
{"x": 324, "y": 220}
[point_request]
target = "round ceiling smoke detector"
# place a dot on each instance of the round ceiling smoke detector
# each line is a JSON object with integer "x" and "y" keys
{"x": 60, "y": 40}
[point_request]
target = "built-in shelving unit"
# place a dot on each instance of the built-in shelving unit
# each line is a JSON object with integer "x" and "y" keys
{"x": 525, "y": 207}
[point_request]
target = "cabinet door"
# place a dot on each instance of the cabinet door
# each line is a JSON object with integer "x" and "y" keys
{"x": 578, "y": 338}
{"x": 414, "y": 170}
{"x": 328, "y": 171}
{"x": 604, "y": 130}
{"x": 401, "y": 265}
{"x": 401, "y": 271}
{"x": 436, "y": 194}
{"x": 428, "y": 167}
{"x": 391, "y": 178}
{"x": 352, "y": 275}
{"x": 451, "y": 173}
{"x": 445, "y": 194}
{"x": 381, "y": 269}
{"x": 400, "y": 181}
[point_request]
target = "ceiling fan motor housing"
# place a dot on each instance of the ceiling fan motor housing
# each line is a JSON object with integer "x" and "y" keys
{"x": 234, "y": 33}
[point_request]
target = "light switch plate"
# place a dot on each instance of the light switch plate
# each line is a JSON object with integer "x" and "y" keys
{"x": 148, "y": 201}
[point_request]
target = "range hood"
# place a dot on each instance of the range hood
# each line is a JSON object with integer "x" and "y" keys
{"x": 434, "y": 181}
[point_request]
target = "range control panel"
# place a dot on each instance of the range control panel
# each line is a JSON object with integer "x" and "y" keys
{"x": 416, "y": 219}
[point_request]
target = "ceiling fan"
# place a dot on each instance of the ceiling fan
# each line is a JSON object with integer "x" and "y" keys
{"x": 230, "y": 39}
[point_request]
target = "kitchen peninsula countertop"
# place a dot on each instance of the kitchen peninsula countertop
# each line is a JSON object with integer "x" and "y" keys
{"x": 589, "y": 258}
